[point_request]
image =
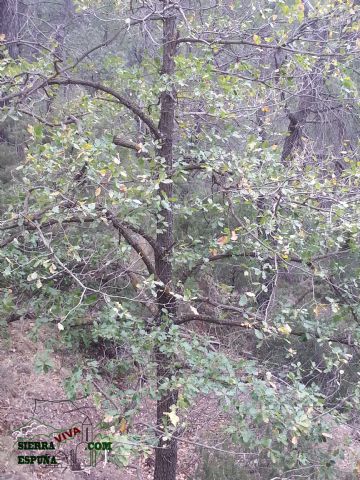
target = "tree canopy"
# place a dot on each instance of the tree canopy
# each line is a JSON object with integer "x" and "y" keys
{"x": 184, "y": 190}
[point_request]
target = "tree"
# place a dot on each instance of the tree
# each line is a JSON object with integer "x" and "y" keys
{"x": 216, "y": 169}
{"x": 10, "y": 25}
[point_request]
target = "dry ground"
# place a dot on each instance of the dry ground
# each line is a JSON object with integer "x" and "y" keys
{"x": 19, "y": 385}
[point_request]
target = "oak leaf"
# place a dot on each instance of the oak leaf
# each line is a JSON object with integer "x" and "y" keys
{"x": 174, "y": 419}
{"x": 223, "y": 240}
{"x": 123, "y": 426}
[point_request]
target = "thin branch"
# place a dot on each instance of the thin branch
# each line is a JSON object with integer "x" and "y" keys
{"x": 207, "y": 319}
{"x": 215, "y": 41}
{"x": 255, "y": 326}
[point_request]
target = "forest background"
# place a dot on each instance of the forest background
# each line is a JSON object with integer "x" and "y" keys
{"x": 180, "y": 206}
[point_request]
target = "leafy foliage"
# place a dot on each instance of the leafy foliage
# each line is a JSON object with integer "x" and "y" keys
{"x": 198, "y": 190}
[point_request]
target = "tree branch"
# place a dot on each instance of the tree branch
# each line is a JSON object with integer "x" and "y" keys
{"x": 255, "y": 326}
{"x": 207, "y": 319}
{"x": 123, "y": 142}
{"x": 214, "y": 41}
{"x": 132, "y": 242}
{"x": 135, "y": 109}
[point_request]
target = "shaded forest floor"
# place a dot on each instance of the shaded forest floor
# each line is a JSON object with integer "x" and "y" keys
{"x": 20, "y": 385}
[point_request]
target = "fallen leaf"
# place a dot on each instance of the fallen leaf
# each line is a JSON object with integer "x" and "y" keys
{"x": 319, "y": 309}
{"x": 140, "y": 148}
{"x": 52, "y": 268}
{"x": 257, "y": 39}
{"x": 234, "y": 236}
{"x": 284, "y": 329}
{"x": 123, "y": 426}
{"x": 223, "y": 240}
{"x": 32, "y": 276}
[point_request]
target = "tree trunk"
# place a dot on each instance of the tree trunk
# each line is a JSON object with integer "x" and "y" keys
{"x": 166, "y": 452}
{"x": 62, "y": 26}
{"x": 9, "y": 24}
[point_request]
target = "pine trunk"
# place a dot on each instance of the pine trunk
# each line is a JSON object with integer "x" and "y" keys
{"x": 9, "y": 25}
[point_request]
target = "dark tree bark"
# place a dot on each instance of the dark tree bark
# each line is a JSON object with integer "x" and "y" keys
{"x": 9, "y": 31}
{"x": 166, "y": 453}
{"x": 10, "y": 24}
{"x": 61, "y": 27}
{"x": 308, "y": 98}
